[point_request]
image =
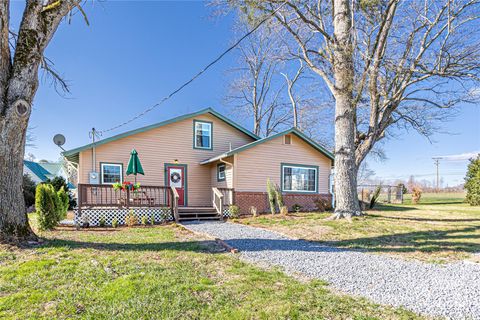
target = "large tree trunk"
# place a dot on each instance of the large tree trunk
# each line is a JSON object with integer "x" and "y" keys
{"x": 13, "y": 218}
{"x": 18, "y": 85}
{"x": 345, "y": 169}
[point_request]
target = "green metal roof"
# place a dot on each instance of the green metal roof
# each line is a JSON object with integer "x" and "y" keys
{"x": 73, "y": 154}
{"x": 295, "y": 131}
{"x": 43, "y": 171}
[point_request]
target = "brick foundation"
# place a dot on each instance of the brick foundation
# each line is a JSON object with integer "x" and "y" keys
{"x": 244, "y": 200}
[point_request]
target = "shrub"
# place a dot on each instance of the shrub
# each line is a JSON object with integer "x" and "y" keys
{"x": 114, "y": 222}
{"x": 234, "y": 210}
{"x": 152, "y": 220}
{"x": 375, "y": 196}
{"x": 472, "y": 182}
{"x": 131, "y": 218}
{"x": 101, "y": 222}
{"x": 29, "y": 189}
{"x": 279, "y": 197}
{"x": 58, "y": 204}
{"x": 296, "y": 207}
{"x": 322, "y": 204}
{"x": 284, "y": 210}
{"x": 416, "y": 195}
{"x": 271, "y": 196}
{"x": 64, "y": 202}
{"x": 45, "y": 207}
{"x": 253, "y": 211}
{"x": 58, "y": 183}
{"x": 144, "y": 220}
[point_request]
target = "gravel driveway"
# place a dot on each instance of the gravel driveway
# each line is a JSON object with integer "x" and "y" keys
{"x": 451, "y": 290}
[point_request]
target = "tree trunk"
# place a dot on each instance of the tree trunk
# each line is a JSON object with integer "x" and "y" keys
{"x": 13, "y": 218}
{"x": 345, "y": 169}
{"x": 18, "y": 85}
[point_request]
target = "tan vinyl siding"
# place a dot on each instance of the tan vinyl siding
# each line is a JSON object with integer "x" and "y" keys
{"x": 228, "y": 183}
{"x": 255, "y": 165}
{"x": 163, "y": 145}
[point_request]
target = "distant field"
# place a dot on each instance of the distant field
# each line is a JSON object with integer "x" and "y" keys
{"x": 437, "y": 198}
{"x": 441, "y": 228}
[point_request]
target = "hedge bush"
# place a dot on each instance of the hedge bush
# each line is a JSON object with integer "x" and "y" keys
{"x": 64, "y": 201}
{"x": 51, "y": 206}
{"x": 472, "y": 182}
{"x": 45, "y": 202}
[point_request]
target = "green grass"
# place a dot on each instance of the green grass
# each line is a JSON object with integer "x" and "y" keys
{"x": 161, "y": 272}
{"x": 441, "y": 228}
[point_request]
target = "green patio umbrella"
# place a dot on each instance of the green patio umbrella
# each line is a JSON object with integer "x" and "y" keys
{"x": 134, "y": 165}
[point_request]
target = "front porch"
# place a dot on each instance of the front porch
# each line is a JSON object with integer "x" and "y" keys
{"x": 101, "y": 202}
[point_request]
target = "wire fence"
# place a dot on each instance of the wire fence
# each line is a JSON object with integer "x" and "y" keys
{"x": 386, "y": 193}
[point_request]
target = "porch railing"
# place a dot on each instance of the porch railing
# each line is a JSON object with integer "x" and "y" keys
{"x": 174, "y": 203}
{"x": 222, "y": 197}
{"x": 102, "y": 195}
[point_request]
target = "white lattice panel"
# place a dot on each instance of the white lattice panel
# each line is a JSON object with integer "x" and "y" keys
{"x": 226, "y": 213}
{"x": 95, "y": 214}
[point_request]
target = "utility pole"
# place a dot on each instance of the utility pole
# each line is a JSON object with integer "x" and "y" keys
{"x": 436, "y": 160}
{"x": 93, "y": 134}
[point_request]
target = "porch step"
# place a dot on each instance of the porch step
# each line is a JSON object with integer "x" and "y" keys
{"x": 197, "y": 213}
{"x": 195, "y": 209}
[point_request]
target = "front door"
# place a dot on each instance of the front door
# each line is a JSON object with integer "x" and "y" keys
{"x": 176, "y": 178}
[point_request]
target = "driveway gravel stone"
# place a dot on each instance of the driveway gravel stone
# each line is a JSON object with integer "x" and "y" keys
{"x": 450, "y": 290}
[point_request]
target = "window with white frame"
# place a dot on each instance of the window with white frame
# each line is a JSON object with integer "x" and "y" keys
{"x": 111, "y": 172}
{"x": 299, "y": 178}
{"x": 221, "y": 172}
{"x": 203, "y": 135}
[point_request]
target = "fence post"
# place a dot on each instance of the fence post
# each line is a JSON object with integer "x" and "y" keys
{"x": 389, "y": 199}
{"x": 127, "y": 201}
{"x": 80, "y": 200}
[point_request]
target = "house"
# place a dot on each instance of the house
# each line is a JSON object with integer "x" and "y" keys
{"x": 42, "y": 171}
{"x": 203, "y": 153}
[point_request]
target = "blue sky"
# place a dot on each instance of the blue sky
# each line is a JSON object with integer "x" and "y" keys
{"x": 134, "y": 53}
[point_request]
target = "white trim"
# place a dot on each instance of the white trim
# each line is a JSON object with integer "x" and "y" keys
{"x": 210, "y": 137}
{"x": 113, "y": 165}
{"x": 299, "y": 167}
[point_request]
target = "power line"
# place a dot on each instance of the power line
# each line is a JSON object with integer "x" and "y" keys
{"x": 197, "y": 75}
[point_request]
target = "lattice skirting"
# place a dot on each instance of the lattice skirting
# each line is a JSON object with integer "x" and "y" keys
{"x": 95, "y": 214}
{"x": 227, "y": 213}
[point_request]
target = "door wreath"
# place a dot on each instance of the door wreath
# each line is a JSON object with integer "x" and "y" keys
{"x": 175, "y": 177}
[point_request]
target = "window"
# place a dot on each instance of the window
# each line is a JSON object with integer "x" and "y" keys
{"x": 202, "y": 135}
{"x": 221, "y": 172}
{"x": 111, "y": 172}
{"x": 299, "y": 178}
{"x": 287, "y": 139}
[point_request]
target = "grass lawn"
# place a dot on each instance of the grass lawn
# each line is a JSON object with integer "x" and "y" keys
{"x": 161, "y": 272}
{"x": 440, "y": 228}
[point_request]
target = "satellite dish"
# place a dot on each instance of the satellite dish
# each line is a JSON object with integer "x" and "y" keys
{"x": 59, "y": 139}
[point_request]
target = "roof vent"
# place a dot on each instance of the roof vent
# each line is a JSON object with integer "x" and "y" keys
{"x": 287, "y": 139}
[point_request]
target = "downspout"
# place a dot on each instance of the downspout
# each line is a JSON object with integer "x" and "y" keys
{"x": 331, "y": 187}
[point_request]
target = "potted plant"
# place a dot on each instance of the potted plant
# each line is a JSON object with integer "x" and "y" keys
{"x": 123, "y": 187}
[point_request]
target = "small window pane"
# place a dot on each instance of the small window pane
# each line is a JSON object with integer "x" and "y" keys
{"x": 111, "y": 173}
{"x": 221, "y": 172}
{"x": 203, "y": 135}
{"x": 299, "y": 179}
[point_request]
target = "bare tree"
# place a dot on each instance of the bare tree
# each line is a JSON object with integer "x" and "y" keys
{"x": 21, "y": 55}
{"x": 365, "y": 173}
{"x": 256, "y": 90}
{"x": 390, "y": 64}
{"x": 291, "y": 94}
